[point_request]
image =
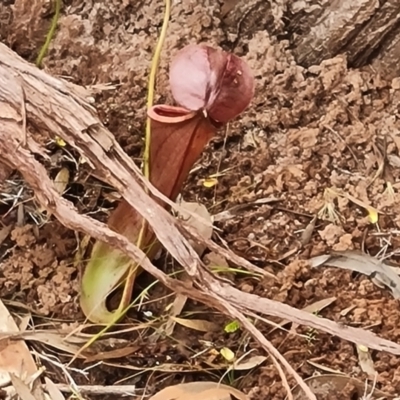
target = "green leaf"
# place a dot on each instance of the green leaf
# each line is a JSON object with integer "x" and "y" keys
{"x": 232, "y": 327}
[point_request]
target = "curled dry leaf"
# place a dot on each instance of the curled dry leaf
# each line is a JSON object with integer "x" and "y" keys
{"x": 249, "y": 363}
{"x": 218, "y": 82}
{"x": 199, "y": 391}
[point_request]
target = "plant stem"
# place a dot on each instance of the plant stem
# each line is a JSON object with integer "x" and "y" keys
{"x": 126, "y": 295}
{"x": 152, "y": 81}
{"x": 50, "y": 34}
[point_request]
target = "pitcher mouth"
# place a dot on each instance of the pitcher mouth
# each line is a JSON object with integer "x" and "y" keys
{"x": 170, "y": 114}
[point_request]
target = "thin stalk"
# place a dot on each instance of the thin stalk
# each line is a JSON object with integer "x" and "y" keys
{"x": 50, "y": 34}
{"x": 130, "y": 279}
{"x": 152, "y": 81}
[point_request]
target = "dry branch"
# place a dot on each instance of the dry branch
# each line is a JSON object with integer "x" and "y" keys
{"x": 53, "y": 106}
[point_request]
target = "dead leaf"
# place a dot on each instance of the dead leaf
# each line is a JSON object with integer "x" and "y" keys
{"x": 394, "y": 160}
{"x": 197, "y": 324}
{"x": 316, "y": 307}
{"x": 54, "y": 391}
{"x": 111, "y": 354}
{"x": 347, "y": 310}
{"x": 215, "y": 260}
{"x": 319, "y": 305}
{"x": 22, "y": 389}
{"x": 61, "y": 180}
{"x": 203, "y": 224}
{"x": 373, "y": 213}
{"x": 249, "y": 363}
{"x": 72, "y": 344}
{"x": 199, "y": 391}
{"x": 308, "y": 232}
{"x": 363, "y": 263}
{"x": 166, "y": 367}
{"x": 213, "y": 394}
{"x": 24, "y": 322}
{"x": 60, "y": 183}
{"x": 324, "y": 368}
